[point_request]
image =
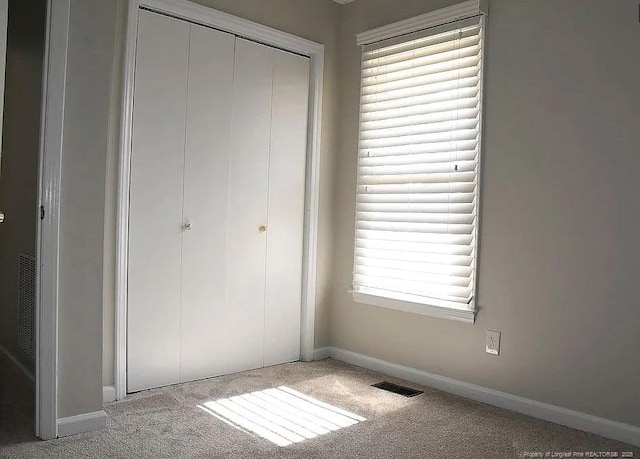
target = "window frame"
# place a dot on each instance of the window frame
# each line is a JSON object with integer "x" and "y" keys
{"x": 455, "y": 13}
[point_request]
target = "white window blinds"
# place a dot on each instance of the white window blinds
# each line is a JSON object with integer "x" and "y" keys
{"x": 417, "y": 192}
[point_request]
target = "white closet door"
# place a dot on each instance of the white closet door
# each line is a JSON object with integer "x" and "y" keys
{"x": 155, "y": 220}
{"x": 286, "y": 208}
{"x": 206, "y": 182}
{"x": 248, "y": 189}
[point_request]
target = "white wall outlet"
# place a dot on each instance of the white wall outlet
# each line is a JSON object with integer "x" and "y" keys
{"x": 492, "y": 345}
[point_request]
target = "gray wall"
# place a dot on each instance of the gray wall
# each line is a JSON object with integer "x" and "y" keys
{"x": 82, "y": 202}
{"x": 315, "y": 20}
{"x": 559, "y": 255}
{"x": 19, "y": 157}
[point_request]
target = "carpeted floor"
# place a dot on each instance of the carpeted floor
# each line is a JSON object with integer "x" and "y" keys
{"x": 17, "y": 405}
{"x": 173, "y": 423}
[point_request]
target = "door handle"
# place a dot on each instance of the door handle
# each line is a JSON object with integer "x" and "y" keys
{"x": 187, "y": 226}
{"x": 1, "y": 217}
{"x": 262, "y": 228}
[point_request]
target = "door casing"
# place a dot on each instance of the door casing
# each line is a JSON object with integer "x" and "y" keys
{"x": 193, "y": 12}
{"x": 49, "y": 179}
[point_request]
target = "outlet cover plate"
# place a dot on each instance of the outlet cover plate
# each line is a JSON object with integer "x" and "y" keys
{"x": 492, "y": 345}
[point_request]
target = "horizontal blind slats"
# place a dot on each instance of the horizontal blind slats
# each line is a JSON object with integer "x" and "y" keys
{"x": 454, "y": 283}
{"x": 447, "y": 98}
{"x": 417, "y": 227}
{"x": 426, "y": 46}
{"x": 417, "y": 190}
{"x": 442, "y": 269}
{"x": 440, "y": 201}
{"x": 414, "y": 287}
{"x": 400, "y": 114}
{"x": 420, "y": 119}
{"x": 450, "y": 126}
{"x": 380, "y": 171}
{"x": 435, "y": 147}
{"x": 416, "y": 207}
{"x": 389, "y": 217}
{"x": 454, "y": 135}
{"x": 417, "y": 257}
{"x": 417, "y": 166}
{"x": 440, "y": 83}
{"x": 416, "y": 159}
{"x": 412, "y": 212}
{"x": 406, "y": 246}
{"x": 458, "y": 71}
{"x": 436, "y": 177}
{"x": 392, "y": 72}
{"x": 453, "y": 239}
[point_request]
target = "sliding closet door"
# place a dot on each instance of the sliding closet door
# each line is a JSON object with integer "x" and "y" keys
{"x": 206, "y": 182}
{"x": 248, "y": 197}
{"x": 155, "y": 219}
{"x": 286, "y": 208}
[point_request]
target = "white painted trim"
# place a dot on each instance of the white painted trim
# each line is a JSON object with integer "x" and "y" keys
{"x": 570, "y": 418}
{"x": 441, "y": 312}
{"x": 122, "y": 209}
{"x": 209, "y": 17}
{"x": 206, "y": 16}
{"x": 81, "y": 423}
{"x": 50, "y": 173}
{"x": 322, "y": 353}
{"x": 19, "y": 365}
{"x": 479, "y": 168}
{"x": 108, "y": 394}
{"x": 312, "y": 205}
{"x": 451, "y": 13}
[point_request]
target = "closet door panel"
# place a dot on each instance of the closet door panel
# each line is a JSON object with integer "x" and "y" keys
{"x": 248, "y": 189}
{"x": 153, "y": 357}
{"x": 286, "y": 207}
{"x": 206, "y": 181}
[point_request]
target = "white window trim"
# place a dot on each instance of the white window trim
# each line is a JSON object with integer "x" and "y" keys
{"x": 442, "y": 16}
{"x": 441, "y": 312}
{"x": 457, "y": 12}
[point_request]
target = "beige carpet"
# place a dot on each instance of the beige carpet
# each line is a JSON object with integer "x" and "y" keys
{"x": 175, "y": 422}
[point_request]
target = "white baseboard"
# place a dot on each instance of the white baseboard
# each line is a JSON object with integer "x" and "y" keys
{"x": 24, "y": 370}
{"x": 81, "y": 423}
{"x": 108, "y": 394}
{"x": 574, "y": 419}
{"x": 322, "y": 353}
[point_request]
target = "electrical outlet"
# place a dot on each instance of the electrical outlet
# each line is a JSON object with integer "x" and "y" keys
{"x": 492, "y": 345}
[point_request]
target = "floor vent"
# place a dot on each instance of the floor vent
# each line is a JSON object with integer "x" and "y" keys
{"x": 26, "y": 302}
{"x": 396, "y": 389}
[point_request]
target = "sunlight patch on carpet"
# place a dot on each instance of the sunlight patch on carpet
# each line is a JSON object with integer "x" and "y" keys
{"x": 281, "y": 415}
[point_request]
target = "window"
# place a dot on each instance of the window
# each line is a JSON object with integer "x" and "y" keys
{"x": 418, "y": 170}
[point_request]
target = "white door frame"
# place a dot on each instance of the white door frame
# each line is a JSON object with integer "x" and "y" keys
{"x": 193, "y": 12}
{"x": 50, "y": 173}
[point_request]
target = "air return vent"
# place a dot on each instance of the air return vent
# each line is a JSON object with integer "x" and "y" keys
{"x": 26, "y": 302}
{"x": 397, "y": 389}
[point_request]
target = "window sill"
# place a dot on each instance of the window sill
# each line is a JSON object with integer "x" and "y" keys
{"x": 459, "y": 314}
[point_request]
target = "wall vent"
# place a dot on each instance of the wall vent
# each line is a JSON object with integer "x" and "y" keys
{"x": 26, "y": 302}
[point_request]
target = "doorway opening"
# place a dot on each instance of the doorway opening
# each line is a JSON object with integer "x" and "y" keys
{"x": 23, "y": 27}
